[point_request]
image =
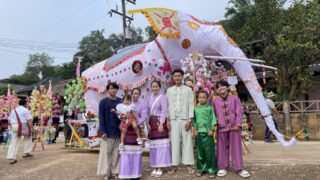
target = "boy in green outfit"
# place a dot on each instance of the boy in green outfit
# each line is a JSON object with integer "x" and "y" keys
{"x": 205, "y": 124}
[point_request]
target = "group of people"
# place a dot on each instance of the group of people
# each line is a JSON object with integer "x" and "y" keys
{"x": 170, "y": 118}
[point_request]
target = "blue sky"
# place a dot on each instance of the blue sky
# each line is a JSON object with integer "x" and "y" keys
{"x": 67, "y": 21}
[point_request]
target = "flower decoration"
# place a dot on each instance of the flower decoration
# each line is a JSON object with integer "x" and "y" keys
{"x": 75, "y": 95}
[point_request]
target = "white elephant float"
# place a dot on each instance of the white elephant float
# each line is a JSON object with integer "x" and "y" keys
{"x": 179, "y": 34}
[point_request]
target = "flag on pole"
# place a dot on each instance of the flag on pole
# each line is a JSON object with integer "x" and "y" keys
{"x": 78, "y": 68}
{"x": 8, "y": 93}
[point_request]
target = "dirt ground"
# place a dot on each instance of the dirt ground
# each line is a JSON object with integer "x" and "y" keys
{"x": 265, "y": 161}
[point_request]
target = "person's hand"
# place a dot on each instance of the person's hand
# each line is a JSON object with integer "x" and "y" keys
{"x": 187, "y": 126}
{"x": 33, "y": 130}
{"x": 148, "y": 127}
{"x": 215, "y": 134}
{"x": 124, "y": 116}
{"x": 104, "y": 137}
{"x": 126, "y": 90}
{"x": 160, "y": 128}
{"x": 113, "y": 110}
{"x": 195, "y": 133}
{"x": 236, "y": 128}
{"x": 169, "y": 125}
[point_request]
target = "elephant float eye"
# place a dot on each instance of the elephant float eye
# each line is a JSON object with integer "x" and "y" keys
{"x": 137, "y": 67}
{"x": 186, "y": 43}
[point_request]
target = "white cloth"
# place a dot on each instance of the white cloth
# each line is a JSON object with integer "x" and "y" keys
{"x": 179, "y": 136}
{"x": 180, "y": 102}
{"x": 109, "y": 157}
{"x": 122, "y": 108}
{"x": 15, "y": 142}
{"x": 271, "y": 104}
{"x": 23, "y": 113}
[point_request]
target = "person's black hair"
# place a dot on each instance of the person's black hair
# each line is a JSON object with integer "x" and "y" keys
{"x": 126, "y": 97}
{"x": 23, "y": 102}
{"x": 222, "y": 83}
{"x": 112, "y": 84}
{"x": 138, "y": 89}
{"x": 202, "y": 92}
{"x": 156, "y": 81}
{"x": 178, "y": 71}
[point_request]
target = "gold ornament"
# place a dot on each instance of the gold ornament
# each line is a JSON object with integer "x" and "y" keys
{"x": 186, "y": 43}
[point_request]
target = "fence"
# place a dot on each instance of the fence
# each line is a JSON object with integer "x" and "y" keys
{"x": 312, "y": 106}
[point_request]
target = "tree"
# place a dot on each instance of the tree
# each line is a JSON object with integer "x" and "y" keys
{"x": 93, "y": 48}
{"x": 151, "y": 34}
{"x": 67, "y": 70}
{"x": 296, "y": 48}
{"x": 40, "y": 63}
{"x": 286, "y": 38}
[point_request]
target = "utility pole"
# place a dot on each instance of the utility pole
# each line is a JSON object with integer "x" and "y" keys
{"x": 124, "y": 17}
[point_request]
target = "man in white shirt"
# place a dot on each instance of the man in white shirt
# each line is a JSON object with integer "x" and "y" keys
{"x": 274, "y": 111}
{"x": 20, "y": 120}
{"x": 181, "y": 112}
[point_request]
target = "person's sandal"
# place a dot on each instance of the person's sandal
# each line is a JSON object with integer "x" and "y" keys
{"x": 27, "y": 155}
{"x": 13, "y": 161}
{"x": 212, "y": 176}
{"x": 114, "y": 176}
{"x": 199, "y": 174}
{"x": 172, "y": 171}
{"x": 190, "y": 170}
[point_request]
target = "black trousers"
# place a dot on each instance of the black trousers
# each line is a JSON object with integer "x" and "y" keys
{"x": 268, "y": 132}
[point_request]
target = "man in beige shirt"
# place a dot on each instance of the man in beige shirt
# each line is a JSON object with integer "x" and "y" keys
{"x": 181, "y": 112}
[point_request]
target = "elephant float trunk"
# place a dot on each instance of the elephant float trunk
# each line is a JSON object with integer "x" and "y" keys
{"x": 222, "y": 44}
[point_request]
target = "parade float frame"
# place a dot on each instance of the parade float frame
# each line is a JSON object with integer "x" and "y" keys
{"x": 75, "y": 106}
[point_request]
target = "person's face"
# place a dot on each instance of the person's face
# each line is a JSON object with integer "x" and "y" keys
{"x": 112, "y": 91}
{"x": 189, "y": 83}
{"x": 222, "y": 90}
{"x": 136, "y": 95}
{"x": 126, "y": 101}
{"x": 155, "y": 88}
{"x": 42, "y": 88}
{"x": 202, "y": 98}
{"x": 177, "y": 78}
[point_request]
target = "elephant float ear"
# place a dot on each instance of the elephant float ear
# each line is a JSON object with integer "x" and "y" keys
{"x": 164, "y": 22}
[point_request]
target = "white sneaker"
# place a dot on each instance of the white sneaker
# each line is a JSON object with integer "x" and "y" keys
{"x": 139, "y": 141}
{"x": 222, "y": 173}
{"x": 146, "y": 144}
{"x": 244, "y": 174}
{"x": 159, "y": 173}
{"x": 121, "y": 147}
{"x": 153, "y": 173}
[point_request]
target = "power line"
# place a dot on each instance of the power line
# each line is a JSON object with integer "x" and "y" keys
{"x": 22, "y": 41}
{"x": 58, "y": 22}
{"x": 80, "y": 28}
{"x": 63, "y": 19}
{"x": 26, "y": 53}
{"x": 36, "y": 47}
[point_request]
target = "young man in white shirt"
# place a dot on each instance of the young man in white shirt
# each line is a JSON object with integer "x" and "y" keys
{"x": 181, "y": 112}
{"x": 20, "y": 120}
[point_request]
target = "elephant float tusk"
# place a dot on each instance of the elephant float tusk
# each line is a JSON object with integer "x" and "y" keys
{"x": 263, "y": 66}
{"x": 242, "y": 59}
